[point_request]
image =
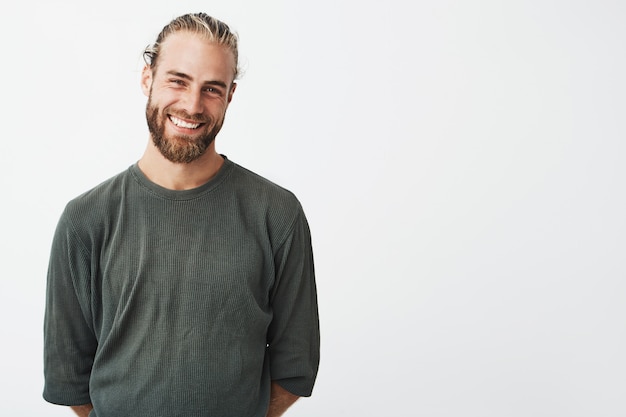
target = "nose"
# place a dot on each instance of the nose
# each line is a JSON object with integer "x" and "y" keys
{"x": 192, "y": 103}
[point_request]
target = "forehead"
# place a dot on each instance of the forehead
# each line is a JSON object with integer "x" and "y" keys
{"x": 196, "y": 56}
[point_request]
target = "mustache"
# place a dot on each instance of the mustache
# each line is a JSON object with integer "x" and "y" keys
{"x": 181, "y": 114}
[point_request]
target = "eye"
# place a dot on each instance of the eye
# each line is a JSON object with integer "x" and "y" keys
{"x": 177, "y": 81}
{"x": 213, "y": 91}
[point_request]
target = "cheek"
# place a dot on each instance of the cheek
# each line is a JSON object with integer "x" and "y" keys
{"x": 165, "y": 96}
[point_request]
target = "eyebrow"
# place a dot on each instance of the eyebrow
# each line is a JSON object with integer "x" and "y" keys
{"x": 189, "y": 78}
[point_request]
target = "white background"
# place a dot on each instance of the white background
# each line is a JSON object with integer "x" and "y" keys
{"x": 460, "y": 163}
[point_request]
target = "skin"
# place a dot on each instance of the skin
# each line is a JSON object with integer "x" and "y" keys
{"x": 82, "y": 410}
{"x": 280, "y": 401}
{"x": 193, "y": 81}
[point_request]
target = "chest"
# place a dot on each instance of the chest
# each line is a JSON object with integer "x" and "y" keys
{"x": 180, "y": 264}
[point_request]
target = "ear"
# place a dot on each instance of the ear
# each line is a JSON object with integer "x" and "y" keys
{"x": 233, "y": 86}
{"x": 146, "y": 80}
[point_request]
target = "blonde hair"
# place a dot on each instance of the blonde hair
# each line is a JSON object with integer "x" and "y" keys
{"x": 210, "y": 28}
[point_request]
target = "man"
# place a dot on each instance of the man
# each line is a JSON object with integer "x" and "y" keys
{"x": 183, "y": 286}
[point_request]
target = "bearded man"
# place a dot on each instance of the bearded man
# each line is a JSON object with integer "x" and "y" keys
{"x": 183, "y": 286}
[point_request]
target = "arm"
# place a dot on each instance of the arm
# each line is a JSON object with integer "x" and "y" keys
{"x": 280, "y": 400}
{"x": 82, "y": 410}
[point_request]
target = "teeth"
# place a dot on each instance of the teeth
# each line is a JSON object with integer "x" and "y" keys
{"x": 182, "y": 123}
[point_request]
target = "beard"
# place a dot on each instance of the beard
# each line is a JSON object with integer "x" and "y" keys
{"x": 180, "y": 149}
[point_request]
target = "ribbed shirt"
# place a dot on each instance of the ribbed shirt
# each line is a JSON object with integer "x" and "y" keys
{"x": 180, "y": 303}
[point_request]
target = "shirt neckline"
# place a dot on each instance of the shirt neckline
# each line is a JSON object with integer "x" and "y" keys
{"x": 190, "y": 194}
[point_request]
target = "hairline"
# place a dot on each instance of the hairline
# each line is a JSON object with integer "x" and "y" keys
{"x": 205, "y": 27}
{"x": 155, "y": 64}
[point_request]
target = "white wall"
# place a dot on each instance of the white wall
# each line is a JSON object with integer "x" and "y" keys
{"x": 461, "y": 165}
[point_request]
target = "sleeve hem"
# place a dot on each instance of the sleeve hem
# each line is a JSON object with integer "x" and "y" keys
{"x": 68, "y": 401}
{"x": 297, "y": 386}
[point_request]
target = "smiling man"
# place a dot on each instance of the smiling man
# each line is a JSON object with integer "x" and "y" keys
{"x": 184, "y": 286}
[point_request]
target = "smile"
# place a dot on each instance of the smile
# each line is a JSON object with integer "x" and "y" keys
{"x": 181, "y": 123}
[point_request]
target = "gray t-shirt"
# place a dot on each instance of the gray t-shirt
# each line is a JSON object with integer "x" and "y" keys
{"x": 180, "y": 303}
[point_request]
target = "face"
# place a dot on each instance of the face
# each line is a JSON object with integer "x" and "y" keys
{"x": 188, "y": 94}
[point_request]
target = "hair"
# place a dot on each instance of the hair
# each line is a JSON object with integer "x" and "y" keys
{"x": 210, "y": 28}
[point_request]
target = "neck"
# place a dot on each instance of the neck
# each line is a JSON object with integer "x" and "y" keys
{"x": 175, "y": 176}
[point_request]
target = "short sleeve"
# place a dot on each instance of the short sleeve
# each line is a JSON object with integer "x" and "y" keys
{"x": 293, "y": 336}
{"x": 69, "y": 340}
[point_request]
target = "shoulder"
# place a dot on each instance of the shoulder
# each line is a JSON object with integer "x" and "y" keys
{"x": 260, "y": 190}
{"x": 277, "y": 207}
{"x": 96, "y": 202}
